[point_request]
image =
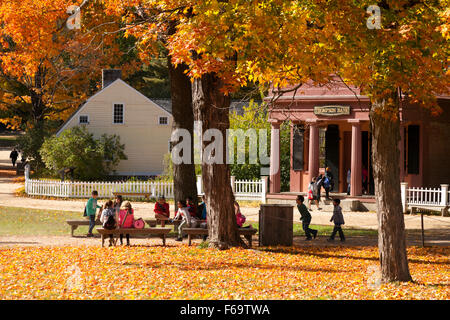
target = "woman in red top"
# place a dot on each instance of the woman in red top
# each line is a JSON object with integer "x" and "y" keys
{"x": 162, "y": 210}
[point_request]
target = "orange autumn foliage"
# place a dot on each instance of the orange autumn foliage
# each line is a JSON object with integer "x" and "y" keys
{"x": 184, "y": 272}
{"x": 47, "y": 69}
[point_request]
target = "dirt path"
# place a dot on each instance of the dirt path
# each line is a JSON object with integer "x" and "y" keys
{"x": 365, "y": 220}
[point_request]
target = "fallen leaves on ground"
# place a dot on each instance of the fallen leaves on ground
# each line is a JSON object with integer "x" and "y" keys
{"x": 142, "y": 272}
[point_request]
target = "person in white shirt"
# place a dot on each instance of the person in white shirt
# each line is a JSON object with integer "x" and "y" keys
{"x": 187, "y": 220}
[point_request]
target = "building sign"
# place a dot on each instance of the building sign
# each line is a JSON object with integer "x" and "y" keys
{"x": 331, "y": 110}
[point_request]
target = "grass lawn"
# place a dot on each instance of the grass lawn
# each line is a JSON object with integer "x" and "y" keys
{"x": 24, "y": 221}
{"x": 37, "y": 222}
{"x": 27, "y": 222}
{"x": 8, "y": 141}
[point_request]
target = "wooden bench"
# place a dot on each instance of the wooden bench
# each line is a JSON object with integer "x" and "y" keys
{"x": 162, "y": 232}
{"x": 146, "y": 195}
{"x": 75, "y": 223}
{"x": 246, "y": 232}
{"x": 443, "y": 209}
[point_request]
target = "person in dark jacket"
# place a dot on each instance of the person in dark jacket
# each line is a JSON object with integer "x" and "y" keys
{"x": 14, "y": 155}
{"x": 338, "y": 220}
{"x": 305, "y": 218}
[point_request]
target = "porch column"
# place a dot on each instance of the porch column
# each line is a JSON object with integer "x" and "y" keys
{"x": 275, "y": 183}
{"x": 313, "y": 160}
{"x": 356, "y": 166}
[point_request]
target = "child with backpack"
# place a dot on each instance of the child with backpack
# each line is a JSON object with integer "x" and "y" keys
{"x": 305, "y": 218}
{"x": 91, "y": 209}
{"x": 312, "y": 193}
{"x": 338, "y": 219}
{"x": 109, "y": 219}
{"x": 162, "y": 210}
{"x": 126, "y": 219}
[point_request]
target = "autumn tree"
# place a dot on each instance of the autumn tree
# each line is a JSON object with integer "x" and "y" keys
{"x": 47, "y": 68}
{"x": 288, "y": 43}
{"x": 151, "y": 24}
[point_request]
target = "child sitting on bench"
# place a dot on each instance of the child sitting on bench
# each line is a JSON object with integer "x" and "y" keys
{"x": 187, "y": 220}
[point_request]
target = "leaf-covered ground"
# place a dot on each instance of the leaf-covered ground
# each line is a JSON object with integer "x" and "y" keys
{"x": 184, "y": 272}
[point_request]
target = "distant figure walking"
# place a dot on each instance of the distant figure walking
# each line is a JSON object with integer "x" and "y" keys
{"x": 14, "y": 155}
{"x": 305, "y": 217}
{"x": 338, "y": 220}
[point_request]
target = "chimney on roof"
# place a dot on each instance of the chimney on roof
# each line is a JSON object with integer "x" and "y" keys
{"x": 109, "y": 76}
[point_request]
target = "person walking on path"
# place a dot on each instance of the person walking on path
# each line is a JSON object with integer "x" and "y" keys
{"x": 338, "y": 219}
{"x": 14, "y": 155}
{"x": 91, "y": 209}
{"x": 305, "y": 218}
{"x": 312, "y": 193}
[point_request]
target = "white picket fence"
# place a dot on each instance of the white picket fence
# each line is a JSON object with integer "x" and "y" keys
{"x": 432, "y": 198}
{"x": 244, "y": 189}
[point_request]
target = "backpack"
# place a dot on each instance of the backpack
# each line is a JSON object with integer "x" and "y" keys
{"x": 110, "y": 222}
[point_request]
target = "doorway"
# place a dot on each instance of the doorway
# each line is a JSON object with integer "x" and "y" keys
{"x": 366, "y": 141}
{"x": 332, "y": 153}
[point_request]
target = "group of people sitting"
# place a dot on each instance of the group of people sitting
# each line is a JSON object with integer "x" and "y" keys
{"x": 112, "y": 215}
{"x": 191, "y": 216}
{"x": 120, "y": 214}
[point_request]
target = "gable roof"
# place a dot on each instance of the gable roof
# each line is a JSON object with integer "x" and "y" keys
{"x": 80, "y": 108}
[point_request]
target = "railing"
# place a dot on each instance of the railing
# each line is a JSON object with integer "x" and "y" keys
{"x": 243, "y": 189}
{"x": 425, "y": 197}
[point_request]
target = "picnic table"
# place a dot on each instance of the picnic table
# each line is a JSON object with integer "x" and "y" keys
{"x": 246, "y": 232}
{"x": 75, "y": 223}
{"x": 162, "y": 232}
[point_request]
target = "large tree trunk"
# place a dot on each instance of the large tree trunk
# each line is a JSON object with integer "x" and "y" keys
{"x": 185, "y": 181}
{"x": 391, "y": 226}
{"x": 212, "y": 108}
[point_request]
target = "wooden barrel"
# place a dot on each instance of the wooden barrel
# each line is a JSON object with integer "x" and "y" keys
{"x": 276, "y": 225}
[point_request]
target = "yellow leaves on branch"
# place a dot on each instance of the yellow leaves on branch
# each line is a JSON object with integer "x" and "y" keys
{"x": 192, "y": 273}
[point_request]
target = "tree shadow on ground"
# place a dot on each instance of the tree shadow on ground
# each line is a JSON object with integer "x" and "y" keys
{"x": 309, "y": 252}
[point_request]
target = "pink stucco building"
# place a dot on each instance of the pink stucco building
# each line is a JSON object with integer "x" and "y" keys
{"x": 331, "y": 128}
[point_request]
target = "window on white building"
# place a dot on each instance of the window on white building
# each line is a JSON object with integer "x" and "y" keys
{"x": 83, "y": 119}
{"x": 163, "y": 120}
{"x": 118, "y": 113}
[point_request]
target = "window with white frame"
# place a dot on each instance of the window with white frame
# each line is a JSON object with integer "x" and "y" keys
{"x": 163, "y": 120}
{"x": 83, "y": 119}
{"x": 118, "y": 113}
